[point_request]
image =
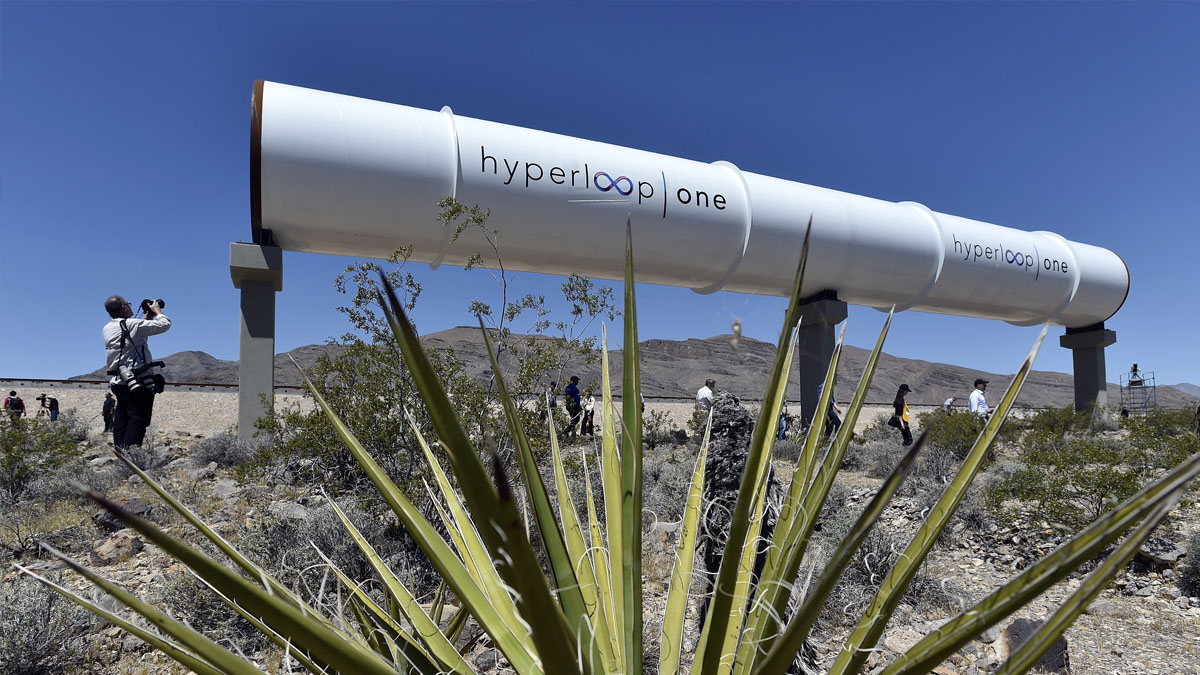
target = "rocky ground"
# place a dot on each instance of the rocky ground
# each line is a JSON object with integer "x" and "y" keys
{"x": 1141, "y": 625}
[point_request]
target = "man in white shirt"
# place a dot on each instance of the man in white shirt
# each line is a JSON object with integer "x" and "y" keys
{"x": 704, "y": 397}
{"x": 132, "y": 367}
{"x": 978, "y": 403}
{"x": 948, "y": 405}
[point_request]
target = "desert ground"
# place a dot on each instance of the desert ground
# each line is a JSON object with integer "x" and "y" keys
{"x": 1141, "y": 624}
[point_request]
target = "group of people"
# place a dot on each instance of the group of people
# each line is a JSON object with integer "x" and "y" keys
{"x": 977, "y": 406}
{"x": 581, "y": 408}
{"x": 15, "y": 406}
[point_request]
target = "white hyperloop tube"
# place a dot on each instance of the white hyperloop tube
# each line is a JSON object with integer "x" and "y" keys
{"x": 344, "y": 175}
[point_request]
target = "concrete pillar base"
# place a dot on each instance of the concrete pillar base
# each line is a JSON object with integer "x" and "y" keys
{"x": 258, "y": 272}
{"x": 1087, "y": 354}
{"x": 816, "y": 338}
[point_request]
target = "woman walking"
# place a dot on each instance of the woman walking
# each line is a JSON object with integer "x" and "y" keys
{"x": 900, "y": 418}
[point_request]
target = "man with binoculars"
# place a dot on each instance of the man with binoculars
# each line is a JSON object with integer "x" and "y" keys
{"x": 134, "y": 380}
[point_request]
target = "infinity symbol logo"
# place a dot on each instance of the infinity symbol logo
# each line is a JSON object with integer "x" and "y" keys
{"x": 613, "y": 183}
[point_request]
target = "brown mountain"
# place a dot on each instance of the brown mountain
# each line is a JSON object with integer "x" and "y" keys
{"x": 676, "y": 368}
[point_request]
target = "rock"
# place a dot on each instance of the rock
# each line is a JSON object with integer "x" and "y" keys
{"x": 288, "y": 511}
{"x": 1056, "y": 659}
{"x": 111, "y": 523}
{"x": 486, "y": 660}
{"x": 990, "y": 635}
{"x": 121, "y": 545}
{"x": 225, "y": 489}
{"x": 180, "y": 464}
{"x": 101, "y": 461}
{"x": 1159, "y": 553}
{"x": 901, "y": 639}
{"x": 1181, "y": 602}
{"x": 203, "y": 472}
{"x": 1102, "y": 608}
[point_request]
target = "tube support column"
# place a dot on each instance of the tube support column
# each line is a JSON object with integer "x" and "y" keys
{"x": 1087, "y": 354}
{"x": 258, "y": 272}
{"x": 819, "y": 316}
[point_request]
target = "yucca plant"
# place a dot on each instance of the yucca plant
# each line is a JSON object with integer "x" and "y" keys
{"x": 582, "y": 613}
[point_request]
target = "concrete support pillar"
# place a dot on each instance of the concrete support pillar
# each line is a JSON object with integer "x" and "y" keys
{"x": 819, "y": 316}
{"x": 258, "y": 272}
{"x": 1087, "y": 352}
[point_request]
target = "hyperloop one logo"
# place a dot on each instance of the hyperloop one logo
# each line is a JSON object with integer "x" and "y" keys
{"x": 609, "y": 183}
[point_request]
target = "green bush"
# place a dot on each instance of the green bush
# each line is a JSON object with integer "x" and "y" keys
{"x": 31, "y": 449}
{"x": 1070, "y": 482}
{"x": 1070, "y": 475}
{"x": 956, "y": 431}
{"x": 1189, "y": 571}
{"x": 1058, "y": 421}
{"x": 1163, "y": 438}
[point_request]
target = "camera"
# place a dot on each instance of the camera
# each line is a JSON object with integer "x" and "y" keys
{"x": 145, "y": 306}
{"x": 136, "y": 378}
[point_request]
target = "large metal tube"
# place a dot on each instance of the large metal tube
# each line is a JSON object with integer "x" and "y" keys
{"x": 344, "y": 175}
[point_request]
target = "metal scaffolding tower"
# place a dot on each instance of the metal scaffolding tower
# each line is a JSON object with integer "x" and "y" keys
{"x": 1138, "y": 392}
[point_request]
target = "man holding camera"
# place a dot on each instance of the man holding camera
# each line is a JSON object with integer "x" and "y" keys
{"x": 134, "y": 381}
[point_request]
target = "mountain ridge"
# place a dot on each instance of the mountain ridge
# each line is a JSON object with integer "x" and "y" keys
{"x": 677, "y": 368}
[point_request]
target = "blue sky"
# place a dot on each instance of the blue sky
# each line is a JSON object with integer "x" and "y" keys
{"x": 125, "y": 135}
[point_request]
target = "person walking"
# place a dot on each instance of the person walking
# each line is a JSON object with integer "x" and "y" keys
{"x": 589, "y": 414}
{"x": 14, "y": 406}
{"x": 107, "y": 411}
{"x": 978, "y": 403}
{"x": 900, "y": 419}
{"x": 574, "y": 407}
{"x": 705, "y": 395}
{"x": 833, "y": 421}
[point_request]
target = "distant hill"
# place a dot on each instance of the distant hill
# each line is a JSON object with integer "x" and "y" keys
{"x": 1188, "y": 388}
{"x": 679, "y": 367}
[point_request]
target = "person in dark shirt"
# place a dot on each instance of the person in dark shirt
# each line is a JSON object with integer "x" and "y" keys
{"x": 900, "y": 419}
{"x": 15, "y": 407}
{"x": 107, "y": 411}
{"x": 574, "y": 407}
{"x": 51, "y": 405}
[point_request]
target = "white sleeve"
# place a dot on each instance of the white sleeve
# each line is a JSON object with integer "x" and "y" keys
{"x": 147, "y": 327}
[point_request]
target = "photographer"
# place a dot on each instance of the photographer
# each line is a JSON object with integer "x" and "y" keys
{"x": 134, "y": 380}
{"x": 50, "y": 405}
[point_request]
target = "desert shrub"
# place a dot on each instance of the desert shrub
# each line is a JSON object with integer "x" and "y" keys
{"x": 1071, "y": 475}
{"x": 42, "y": 632}
{"x": 30, "y": 449}
{"x": 62, "y": 524}
{"x": 666, "y": 474}
{"x": 956, "y": 432}
{"x": 1070, "y": 482}
{"x": 1189, "y": 571}
{"x": 658, "y": 429}
{"x": 1058, "y": 421}
{"x": 1162, "y": 438}
{"x": 74, "y": 425}
{"x": 191, "y": 601}
{"x": 285, "y": 546}
{"x": 225, "y": 448}
{"x": 871, "y": 564}
{"x": 788, "y": 449}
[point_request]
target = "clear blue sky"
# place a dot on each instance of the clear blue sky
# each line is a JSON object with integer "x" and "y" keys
{"x": 124, "y": 156}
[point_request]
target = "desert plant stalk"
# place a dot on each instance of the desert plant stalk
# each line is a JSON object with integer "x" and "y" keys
{"x": 582, "y": 612}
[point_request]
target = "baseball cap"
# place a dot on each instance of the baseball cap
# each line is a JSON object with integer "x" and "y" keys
{"x": 905, "y": 387}
{"x": 979, "y": 381}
